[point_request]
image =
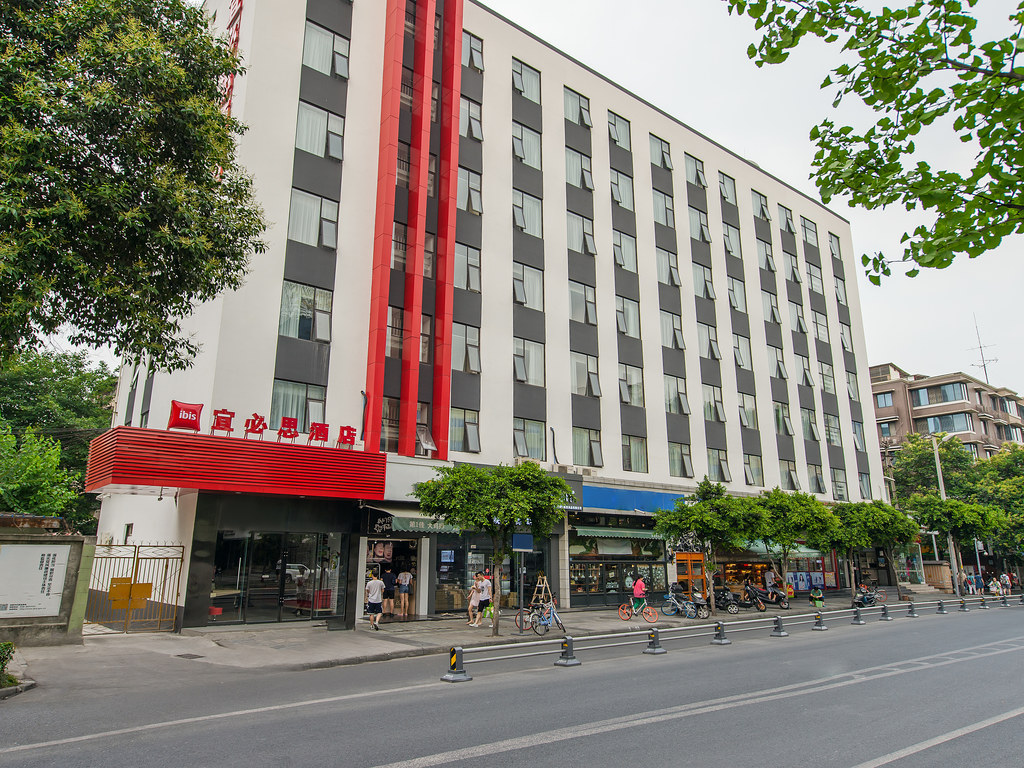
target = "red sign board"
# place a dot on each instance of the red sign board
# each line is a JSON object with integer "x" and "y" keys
{"x": 185, "y": 416}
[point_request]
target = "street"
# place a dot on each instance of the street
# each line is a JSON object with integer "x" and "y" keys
{"x": 937, "y": 690}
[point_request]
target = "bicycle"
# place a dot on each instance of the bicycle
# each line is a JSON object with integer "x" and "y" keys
{"x": 524, "y": 616}
{"x": 628, "y": 611}
{"x": 879, "y": 593}
{"x": 678, "y": 604}
{"x": 541, "y": 618}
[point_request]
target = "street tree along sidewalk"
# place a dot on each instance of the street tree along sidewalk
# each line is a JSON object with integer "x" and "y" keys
{"x": 32, "y": 482}
{"x": 496, "y": 501}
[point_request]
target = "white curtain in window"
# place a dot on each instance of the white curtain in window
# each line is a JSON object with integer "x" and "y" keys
{"x": 581, "y": 447}
{"x": 288, "y": 399}
{"x": 318, "y": 48}
{"x": 535, "y": 442}
{"x": 311, "y": 130}
{"x": 534, "y": 282}
{"x": 638, "y": 454}
{"x": 573, "y": 167}
{"x": 304, "y": 218}
{"x": 531, "y": 147}
{"x": 574, "y": 229}
{"x": 457, "y": 437}
{"x": 532, "y": 213}
{"x": 534, "y": 354}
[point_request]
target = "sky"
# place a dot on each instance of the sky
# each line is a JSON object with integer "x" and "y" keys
{"x": 689, "y": 58}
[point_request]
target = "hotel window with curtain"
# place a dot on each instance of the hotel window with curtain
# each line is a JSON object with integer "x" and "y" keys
{"x": 527, "y": 286}
{"x": 464, "y": 435}
{"x": 313, "y": 220}
{"x": 389, "y": 422}
{"x": 664, "y": 209}
{"x": 760, "y": 203}
{"x": 727, "y": 188}
{"x": 624, "y": 250}
{"x": 699, "y": 225}
{"x": 661, "y": 155}
{"x": 527, "y": 213}
{"x": 472, "y": 51}
{"x": 580, "y": 234}
{"x": 668, "y": 267}
{"x": 731, "y": 240}
{"x": 577, "y": 108}
{"x": 627, "y": 317}
{"x": 634, "y": 453}
{"x": 303, "y": 402}
{"x": 675, "y": 396}
{"x": 737, "y": 295}
{"x": 469, "y": 119}
{"x": 695, "y": 172}
{"x": 465, "y": 348}
{"x": 582, "y": 303}
{"x": 584, "y": 370}
{"x": 753, "y": 469}
{"x": 469, "y": 198}
{"x": 718, "y": 466}
{"x": 672, "y": 330}
{"x": 528, "y": 439}
{"x": 631, "y": 385}
{"x": 528, "y": 362}
{"x": 526, "y": 145}
{"x": 467, "y": 268}
{"x": 618, "y": 130}
{"x": 578, "y": 169}
{"x": 622, "y": 189}
{"x": 305, "y": 312}
{"x": 325, "y": 51}
{"x": 526, "y": 81}
{"x": 679, "y": 462}
{"x": 320, "y": 132}
{"x": 586, "y": 447}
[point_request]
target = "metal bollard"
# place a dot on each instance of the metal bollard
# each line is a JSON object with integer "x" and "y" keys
{"x": 885, "y": 614}
{"x": 857, "y": 618}
{"x": 456, "y": 673}
{"x": 720, "y": 638}
{"x": 963, "y": 606}
{"x": 819, "y": 623}
{"x": 654, "y": 643}
{"x": 779, "y": 631}
{"x": 911, "y": 612}
{"x": 568, "y": 658}
{"x": 1022, "y": 598}
{"x": 942, "y": 608}
{"x": 983, "y": 605}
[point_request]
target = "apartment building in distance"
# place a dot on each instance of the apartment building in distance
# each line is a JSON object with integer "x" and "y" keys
{"x": 481, "y": 250}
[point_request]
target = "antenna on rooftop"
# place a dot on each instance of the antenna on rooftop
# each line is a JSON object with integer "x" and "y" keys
{"x": 981, "y": 350}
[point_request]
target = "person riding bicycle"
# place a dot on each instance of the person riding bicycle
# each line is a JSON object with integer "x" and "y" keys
{"x": 639, "y": 592}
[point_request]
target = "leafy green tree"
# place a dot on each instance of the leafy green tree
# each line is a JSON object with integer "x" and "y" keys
{"x": 851, "y": 533}
{"x": 965, "y": 521}
{"x": 913, "y": 469}
{"x": 1001, "y": 483}
{"x": 916, "y": 66}
{"x": 496, "y": 501}
{"x": 122, "y": 205}
{"x": 32, "y": 482}
{"x": 792, "y": 517}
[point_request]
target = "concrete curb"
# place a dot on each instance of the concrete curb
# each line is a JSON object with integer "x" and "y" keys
{"x": 14, "y": 690}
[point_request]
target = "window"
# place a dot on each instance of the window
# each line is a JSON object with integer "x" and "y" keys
{"x": 660, "y": 155}
{"x": 469, "y": 120}
{"x": 577, "y": 169}
{"x": 764, "y": 255}
{"x": 325, "y": 51}
{"x": 465, "y": 430}
{"x": 580, "y": 234}
{"x": 814, "y": 275}
{"x": 675, "y": 396}
{"x": 699, "y": 225}
{"x": 395, "y": 332}
{"x": 810, "y": 424}
{"x": 858, "y": 436}
{"x": 810, "y": 230}
{"x": 679, "y": 462}
{"x": 526, "y": 80}
{"x": 528, "y": 439}
{"x": 399, "y": 245}
{"x": 389, "y": 421}
{"x": 528, "y": 286}
{"x": 582, "y": 303}
{"x": 833, "y": 246}
{"x": 748, "y": 410}
{"x": 707, "y": 341}
{"x": 313, "y": 220}
{"x": 528, "y": 362}
{"x": 787, "y": 473}
{"x": 828, "y": 379}
{"x": 305, "y": 312}
{"x": 408, "y": 86}
{"x": 883, "y": 400}
{"x": 618, "y": 130}
{"x": 431, "y": 175}
{"x": 624, "y": 249}
{"x": 786, "y": 220}
{"x": 864, "y": 479}
{"x": 775, "y": 360}
{"x": 796, "y": 317}
{"x": 783, "y": 424}
{"x": 424, "y": 439}
{"x": 792, "y": 267}
{"x": 526, "y": 145}
{"x": 577, "y": 108}
{"x": 753, "y": 471}
{"x": 816, "y": 478}
{"x": 714, "y": 410}
{"x": 731, "y": 239}
{"x": 467, "y": 268}
{"x": 741, "y": 352}
{"x": 668, "y": 267}
{"x": 429, "y": 254}
{"x": 947, "y": 393}
{"x": 737, "y": 295}
{"x": 839, "y": 485}
{"x": 303, "y": 402}
{"x": 851, "y": 386}
{"x": 727, "y": 186}
{"x": 695, "y": 172}
{"x": 846, "y": 336}
{"x": 622, "y": 189}
{"x": 627, "y": 316}
{"x": 833, "y": 434}
{"x": 760, "y": 205}
{"x": 820, "y": 325}
{"x": 527, "y": 213}
{"x": 702, "y": 284}
{"x": 770, "y": 304}
{"x": 426, "y": 337}
{"x": 472, "y": 51}
{"x": 320, "y": 132}
{"x": 586, "y": 447}
{"x": 804, "y": 364}
{"x": 841, "y": 291}
{"x": 631, "y": 385}
{"x": 585, "y": 380}
{"x": 718, "y": 466}
{"x": 664, "y": 211}
{"x": 469, "y": 191}
{"x": 952, "y": 422}
{"x": 465, "y": 348}
{"x": 671, "y": 330}
{"x": 634, "y": 453}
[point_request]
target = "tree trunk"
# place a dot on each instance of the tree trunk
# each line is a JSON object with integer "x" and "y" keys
{"x": 711, "y": 587}
{"x": 850, "y": 580}
{"x": 890, "y": 564}
{"x": 495, "y": 592}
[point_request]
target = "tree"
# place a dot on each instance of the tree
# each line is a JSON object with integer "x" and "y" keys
{"x": 851, "y": 533}
{"x": 964, "y": 521}
{"x": 882, "y": 525}
{"x": 496, "y": 501}
{"x": 916, "y": 66}
{"x": 719, "y": 521}
{"x": 792, "y": 517}
{"x": 1001, "y": 483}
{"x": 122, "y": 204}
{"x": 32, "y": 481}
{"x": 913, "y": 469}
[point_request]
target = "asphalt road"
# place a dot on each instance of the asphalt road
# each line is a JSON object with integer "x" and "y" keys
{"x": 932, "y": 691}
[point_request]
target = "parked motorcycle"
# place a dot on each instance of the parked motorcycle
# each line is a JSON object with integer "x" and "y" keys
{"x": 703, "y": 609}
{"x": 867, "y": 598}
{"x": 726, "y": 599}
{"x": 773, "y": 596}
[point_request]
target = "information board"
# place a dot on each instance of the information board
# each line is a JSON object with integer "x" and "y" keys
{"x": 32, "y": 579}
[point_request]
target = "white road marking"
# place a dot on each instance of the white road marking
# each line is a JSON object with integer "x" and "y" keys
{"x": 921, "y": 746}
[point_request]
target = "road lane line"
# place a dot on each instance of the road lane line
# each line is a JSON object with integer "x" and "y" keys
{"x": 921, "y": 746}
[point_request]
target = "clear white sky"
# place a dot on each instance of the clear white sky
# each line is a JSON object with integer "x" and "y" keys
{"x": 689, "y": 58}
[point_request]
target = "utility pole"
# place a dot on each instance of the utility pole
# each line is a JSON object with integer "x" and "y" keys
{"x": 981, "y": 350}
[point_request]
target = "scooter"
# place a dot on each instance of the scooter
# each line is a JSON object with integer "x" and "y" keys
{"x": 865, "y": 599}
{"x": 727, "y": 600}
{"x": 773, "y": 596}
{"x": 703, "y": 610}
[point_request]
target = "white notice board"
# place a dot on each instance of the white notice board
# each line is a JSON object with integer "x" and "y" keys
{"x": 32, "y": 579}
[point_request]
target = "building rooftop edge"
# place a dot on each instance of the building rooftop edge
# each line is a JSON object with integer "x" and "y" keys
{"x": 918, "y": 378}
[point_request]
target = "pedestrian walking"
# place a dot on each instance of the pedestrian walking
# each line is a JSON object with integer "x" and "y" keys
{"x": 474, "y": 599}
{"x": 404, "y": 588}
{"x": 484, "y": 585}
{"x": 1004, "y": 583}
{"x": 374, "y": 599}
{"x": 389, "y": 580}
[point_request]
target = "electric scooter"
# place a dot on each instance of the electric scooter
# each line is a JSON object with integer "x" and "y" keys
{"x": 773, "y": 596}
{"x": 727, "y": 600}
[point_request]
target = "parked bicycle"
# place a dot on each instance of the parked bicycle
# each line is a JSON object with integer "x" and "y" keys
{"x": 629, "y": 610}
{"x": 677, "y": 602}
{"x": 871, "y": 593}
{"x": 542, "y": 617}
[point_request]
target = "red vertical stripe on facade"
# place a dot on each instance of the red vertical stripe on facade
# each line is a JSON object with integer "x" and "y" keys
{"x": 423, "y": 67}
{"x": 387, "y": 164}
{"x": 447, "y": 208}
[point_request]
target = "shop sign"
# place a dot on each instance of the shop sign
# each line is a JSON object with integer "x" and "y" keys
{"x": 188, "y": 416}
{"x": 32, "y": 579}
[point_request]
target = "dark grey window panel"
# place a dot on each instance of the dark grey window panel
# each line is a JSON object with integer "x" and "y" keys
{"x": 788, "y": 242}
{"x": 856, "y": 413}
{"x": 745, "y": 381}
{"x": 426, "y": 383}
{"x": 466, "y": 307}
{"x": 471, "y": 155}
{"x": 665, "y": 237}
{"x": 318, "y": 175}
{"x": 472, "y": 85}
{"x": 829, "y": 403}
{"x": 673, "y": 362}
{"x": 706, "y": 311}
{"x": 469, "y": 228}
{"x": 793, "y": 292}
{"x": 818, "y": 302}
{"x": 528, "y": 323}
{"x": 697, "y": 197}
{"x": 836, "y": 459}
{"x": 837, "y": 268}
{"x": 431, "y": 212}
{"x": 309, "y": 264}
{"x": 740, "y": 323}
{"x": 773, "y": 334}
{"x": 408, "y": 51}
{"x": 301, "y": 360}
{"x": 711, "y": 372}
{"x": 624, "y": 220}
{"x": 669, "y": 298}
{"x": 730, "y": 214}
{"x": 619, "y": 158}
{"x": 524, "y": 178}
{"x": 850, "y": 360}
{"x": 700, "y": 252}
{"x": 392, "y": 377}
{"x": 812, "y": 254}
{"x": 578, "y": 137}
{"x": 466, "y": 390}
{"x": 714, "y": 433}
{"x": 586, "y": 412}
{"x": 396, "y": 288}
{"x": 768, "y": 282}
{"x": 429, "y": 296}
{"x": 762, "y": 229}
{"x": 630, "y": 350}
{"x": 147, "y": 394}
{"x": 734, "y": 267}
{"x": 661, "y": 179}
{"x": 331, "y": 14}
{"x": 405, "y": 125}
{"x": 805, "y": 396}
{"x": 678, "y": 427}
{"x": 634, "y": 420}
{"x": 129, "y": 407}
{"x": 627, "y": 284}
{"x": 402, "y": 205}
{"x": 330, "y": 93}
{"x": 800, "y": 344}
{"x": 526, "y": 112}
{"x": 579, "y": 201}
{"x": 582, "y": 268}
{"x": 780, "y": 390}
{"x": 529, "y": 402}
{"x": 750, "y": 439}
{"x": 824, "y": 354}
{"x": 844, "y": 314}
{"x": 527, "y": 249}
{"x": 785, "y": 446}
{"x": 812, "y": 451}
{"x": 583, "y": 338}
{"x": 862, "y": 462}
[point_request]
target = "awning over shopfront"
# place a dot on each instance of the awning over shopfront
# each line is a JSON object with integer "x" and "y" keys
{"x": 406, "y": 520}
{"x": 615, "y": 533}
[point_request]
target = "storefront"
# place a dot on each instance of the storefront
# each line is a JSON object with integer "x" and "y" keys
{"x": 808, "y": 568}
{"x": 607, "y": 552}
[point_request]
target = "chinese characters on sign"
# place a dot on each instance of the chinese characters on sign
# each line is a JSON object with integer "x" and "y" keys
{"x": 187, "y": 416}
{"x": 32, "y": 579}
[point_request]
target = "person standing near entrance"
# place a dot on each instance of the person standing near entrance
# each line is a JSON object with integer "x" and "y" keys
{"x": 484, "y": 585}
{"x": 404, "y": 587}
{"x": 474, "y": 599}
{"x": 374, "y": 599}
{"x": 389, "y": 590}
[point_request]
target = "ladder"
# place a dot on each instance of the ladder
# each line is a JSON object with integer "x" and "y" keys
{"x": 541, "y": 592}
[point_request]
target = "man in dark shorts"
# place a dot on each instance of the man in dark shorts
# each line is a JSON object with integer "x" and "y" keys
{"x": 374, "y": 592}
{"x": 389, "y": 580}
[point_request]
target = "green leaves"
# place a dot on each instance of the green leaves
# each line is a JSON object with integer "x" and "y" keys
{"x": 32, "y": 481}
